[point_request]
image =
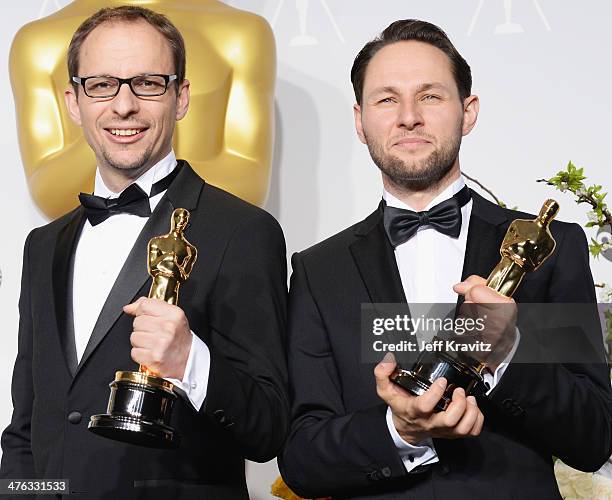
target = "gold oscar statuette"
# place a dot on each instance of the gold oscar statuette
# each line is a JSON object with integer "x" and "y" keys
{"x": 527, "y": 244}
{"x": 140, "y": 403}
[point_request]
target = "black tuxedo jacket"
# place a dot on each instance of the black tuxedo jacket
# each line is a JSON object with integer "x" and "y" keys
{"x": 235, "y": 300}
{"x": 339, "y": 444}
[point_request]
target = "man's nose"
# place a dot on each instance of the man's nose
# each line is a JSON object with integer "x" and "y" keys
{"x": 409, "y": 115}
{"x": 125, "y": 102}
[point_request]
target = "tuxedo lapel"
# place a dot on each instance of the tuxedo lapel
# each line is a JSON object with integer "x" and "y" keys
{"x": 63, "y": 261}
{"x": 184, "y": 192}
{"x": 485, "y": 234}
{"x": 375, "y": 259}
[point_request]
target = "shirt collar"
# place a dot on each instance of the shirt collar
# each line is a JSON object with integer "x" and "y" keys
{"x": 449, "y": 192}
{"x": 145, "y": 181}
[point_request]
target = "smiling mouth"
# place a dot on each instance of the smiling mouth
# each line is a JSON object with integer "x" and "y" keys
{"x": 125, "y": 132}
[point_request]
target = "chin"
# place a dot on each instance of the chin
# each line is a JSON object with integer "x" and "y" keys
{"x": 414, "y": 165}
{"x": 135, "y": 162}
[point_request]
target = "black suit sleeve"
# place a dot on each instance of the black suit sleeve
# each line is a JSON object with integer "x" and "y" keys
{"x": 247, "y": 389}
{"x": 17, "y": 459}
{"x": 329, "y": 450}
{"x": 566, "y": 408}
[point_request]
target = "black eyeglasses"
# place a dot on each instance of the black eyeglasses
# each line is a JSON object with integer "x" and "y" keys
{"x": 106, "y": 87}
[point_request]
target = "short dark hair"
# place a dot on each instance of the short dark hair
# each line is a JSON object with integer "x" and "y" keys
{"x": 420, "y": 31}
{"x": 128, "y": 13}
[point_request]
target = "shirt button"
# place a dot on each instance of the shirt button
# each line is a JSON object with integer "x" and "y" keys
{"x": 411, "y": 458}
{"x": 193, "y": 385}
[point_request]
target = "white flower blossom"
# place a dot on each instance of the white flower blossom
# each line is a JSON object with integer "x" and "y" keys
{"x": 602, "y": 487}
{"x": 605, "y": 295}
{"x": 592, "y": 216}
{"x": 574, "y": 484}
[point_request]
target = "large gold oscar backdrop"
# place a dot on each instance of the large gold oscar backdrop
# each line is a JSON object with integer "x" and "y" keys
{"x": 226, "y": 136}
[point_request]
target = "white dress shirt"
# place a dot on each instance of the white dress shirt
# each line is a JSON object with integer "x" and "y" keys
{"x": 430, "y": 263}
{"x": 100, "y": 254}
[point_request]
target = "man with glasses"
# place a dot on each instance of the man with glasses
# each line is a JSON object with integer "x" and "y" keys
{"x": 84, "y": 313}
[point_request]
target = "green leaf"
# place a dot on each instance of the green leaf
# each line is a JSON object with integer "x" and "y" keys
{"x": 595, "y": 248}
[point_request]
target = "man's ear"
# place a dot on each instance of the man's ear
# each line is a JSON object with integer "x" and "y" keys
{"x": 182, "y": 100}
{"x": 471, "y": 107}
{"x": 358, "y": 124}
{"x": 72, "y": 104}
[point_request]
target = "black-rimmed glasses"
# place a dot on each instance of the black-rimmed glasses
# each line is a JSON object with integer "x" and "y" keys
{"x": 106, "y": 87}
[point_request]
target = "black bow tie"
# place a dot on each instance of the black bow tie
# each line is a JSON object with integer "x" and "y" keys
{"x": 133, "y": 200}
{"x": 445, "y": 217}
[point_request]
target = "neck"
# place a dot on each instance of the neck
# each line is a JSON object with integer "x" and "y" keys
{"x": 418, "y": 200}
{"x": 117, "y": 180}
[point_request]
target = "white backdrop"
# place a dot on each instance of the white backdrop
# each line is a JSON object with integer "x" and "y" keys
{"x": 545, "y": 99}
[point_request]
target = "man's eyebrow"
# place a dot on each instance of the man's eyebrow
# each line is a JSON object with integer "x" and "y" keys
{"x": 108, "y": 75}
{"x": 427, "y": 86}
{"x": 388, "y": 89}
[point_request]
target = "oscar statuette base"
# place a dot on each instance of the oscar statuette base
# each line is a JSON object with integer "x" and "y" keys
{"x": 139, "y": 411}
{"x": 431, "y": 366}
